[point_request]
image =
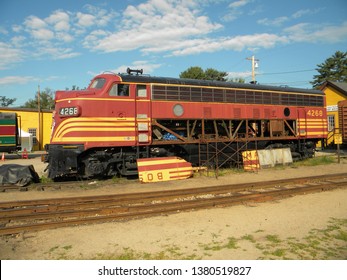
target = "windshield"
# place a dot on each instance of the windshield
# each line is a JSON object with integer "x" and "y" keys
{"x": 98, "y": 83}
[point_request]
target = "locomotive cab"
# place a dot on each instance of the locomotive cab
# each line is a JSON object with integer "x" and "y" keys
{"x": 95, "y": 130}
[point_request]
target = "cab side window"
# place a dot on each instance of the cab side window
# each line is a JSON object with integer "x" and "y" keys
{"x": 114, "y": 90}
{"x": 119, "y": 90}
{"x": 141, "y": 91}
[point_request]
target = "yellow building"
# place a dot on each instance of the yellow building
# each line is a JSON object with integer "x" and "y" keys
{"x": 334, "y": 92}
{"x": 38, "y": 124}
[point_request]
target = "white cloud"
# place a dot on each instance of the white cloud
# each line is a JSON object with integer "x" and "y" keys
{"x": 42, "y": 34}
{"x": 33, "y": 22}
{"x": 167, "y": 27}
{"x": 85, "y": 20}
{"x": 63, "y": 36}
{"x": 234, "y": 10}
{"x": 18, "y": 41}
{"x": 273, "y": 22}
{"x": 237, "y": 43}
{"x": 305, "y": 12}
{"x": 243, "y": 75}
{"x": 58, "y": 52}
{"x": 60, "y": 20}
{"x": 305, "y": 32}
{"x": 17, "y": 28}
{"x": 9, "y": 55}
{"x": 16, "y": 80}
{"x": 301, "y": 13}
{"x": 238, "y": 4}
{"x": 278, "y": 21}
{"x": 95, "y": 17}
{"x": 150, "y": 24}
{"x": 38, "y": 28}
{"x": 147, "y": 67}
{"x": 93, "y": 37}
{"x": 3, "y": 30}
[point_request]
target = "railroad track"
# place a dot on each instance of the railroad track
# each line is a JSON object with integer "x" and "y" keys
{"x": 40, "y": 214}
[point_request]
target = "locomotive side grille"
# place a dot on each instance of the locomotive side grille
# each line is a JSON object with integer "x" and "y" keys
{"x": 237, "y": 112}
{"x": 256, "y": 113}
{"x": 267, "y": 113}
{"x": 207, "y": 112}
{"x": 242, "y": 96}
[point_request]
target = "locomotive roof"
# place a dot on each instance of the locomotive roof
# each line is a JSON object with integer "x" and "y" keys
{"x": 176, "y": 81}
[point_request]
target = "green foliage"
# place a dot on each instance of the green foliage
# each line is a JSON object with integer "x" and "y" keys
{"x": 323, "y": 160}
{"x": 46, "y": 100}
{"x": 215, "y": 75}
{"x": 196, "y": 72}
{"x": 5, "y": 102}
{"x": 237, "y": 80}
{"x": 333, "y": 69}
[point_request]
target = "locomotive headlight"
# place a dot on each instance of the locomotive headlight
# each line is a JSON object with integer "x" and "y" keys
{"x": 70, "y": 111}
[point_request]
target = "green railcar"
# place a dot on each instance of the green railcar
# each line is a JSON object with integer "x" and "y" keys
{"x": 9, "y": 135}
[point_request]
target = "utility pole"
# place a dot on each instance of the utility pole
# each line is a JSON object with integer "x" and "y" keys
{"x": 254, "y": 65}
{"x": 38, "y": 134}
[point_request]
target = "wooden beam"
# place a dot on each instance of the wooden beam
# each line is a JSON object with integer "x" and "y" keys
{"x": 154, "y": 122}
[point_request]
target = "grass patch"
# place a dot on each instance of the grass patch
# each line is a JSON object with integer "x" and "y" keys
{"x": 231, "y": 243}
{"x": 326, "y": 243}
{"x": 315, "y": 161}
{"x": 279, "y": 252}
{"x": 170, "y": 252}
{"x": 273, "y": 238}
{"x": 45, "y": 180}
{"x": 221, "y": 172}
{"x": 342, "y": 235}
{"x": 248, "y": 237}
{"x": 59, "y": 253}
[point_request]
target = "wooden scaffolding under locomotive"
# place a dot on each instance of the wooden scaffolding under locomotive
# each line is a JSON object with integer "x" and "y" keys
{"x": 221, "y": 142}
{"x": 224, "y": 121}
{"x": 215, "y": 151}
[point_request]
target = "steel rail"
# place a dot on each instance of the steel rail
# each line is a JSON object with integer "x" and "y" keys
{"x": 162, "y": 207}
{"x": 17, "y": 208}
{"x": 168, "y": 193}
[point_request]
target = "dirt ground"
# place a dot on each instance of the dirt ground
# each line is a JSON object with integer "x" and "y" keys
{"x": 311, "y": 226}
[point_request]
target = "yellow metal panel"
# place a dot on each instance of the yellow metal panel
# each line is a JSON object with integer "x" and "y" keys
{"x": 94, "y": 139}
{"x": 160, "y": 161}
{"x": 163, "y": 174}
{"x": 250, "y": 160}
{"x": 338, "y": 138}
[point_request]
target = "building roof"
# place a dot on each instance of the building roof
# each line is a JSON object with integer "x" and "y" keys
{"x": 339, "y": 86}
{"x": 17, "y": 109}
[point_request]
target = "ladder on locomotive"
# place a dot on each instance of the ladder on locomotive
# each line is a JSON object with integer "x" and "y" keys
{"x": 212, "y": 155}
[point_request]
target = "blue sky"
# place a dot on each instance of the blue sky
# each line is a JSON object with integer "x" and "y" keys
{"x": 58, "y": 44}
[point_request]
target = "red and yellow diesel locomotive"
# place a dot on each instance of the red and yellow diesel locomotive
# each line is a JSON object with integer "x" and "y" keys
{"x": 104, "y": 129}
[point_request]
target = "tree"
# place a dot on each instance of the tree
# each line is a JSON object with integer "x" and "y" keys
{"x": 196, "y": 72}
{"x": 74, "y": 87}
{"x": 213, "y": 74}
{"x": 333, "y": 69}
{"x": 5, "y": 102}
{"x": 46, "y": 100}
{"x": 237, "y": 80}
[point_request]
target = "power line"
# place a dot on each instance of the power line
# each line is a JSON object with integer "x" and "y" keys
{"x": 295, "y": 82}
{"x": 289, "y": 72}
